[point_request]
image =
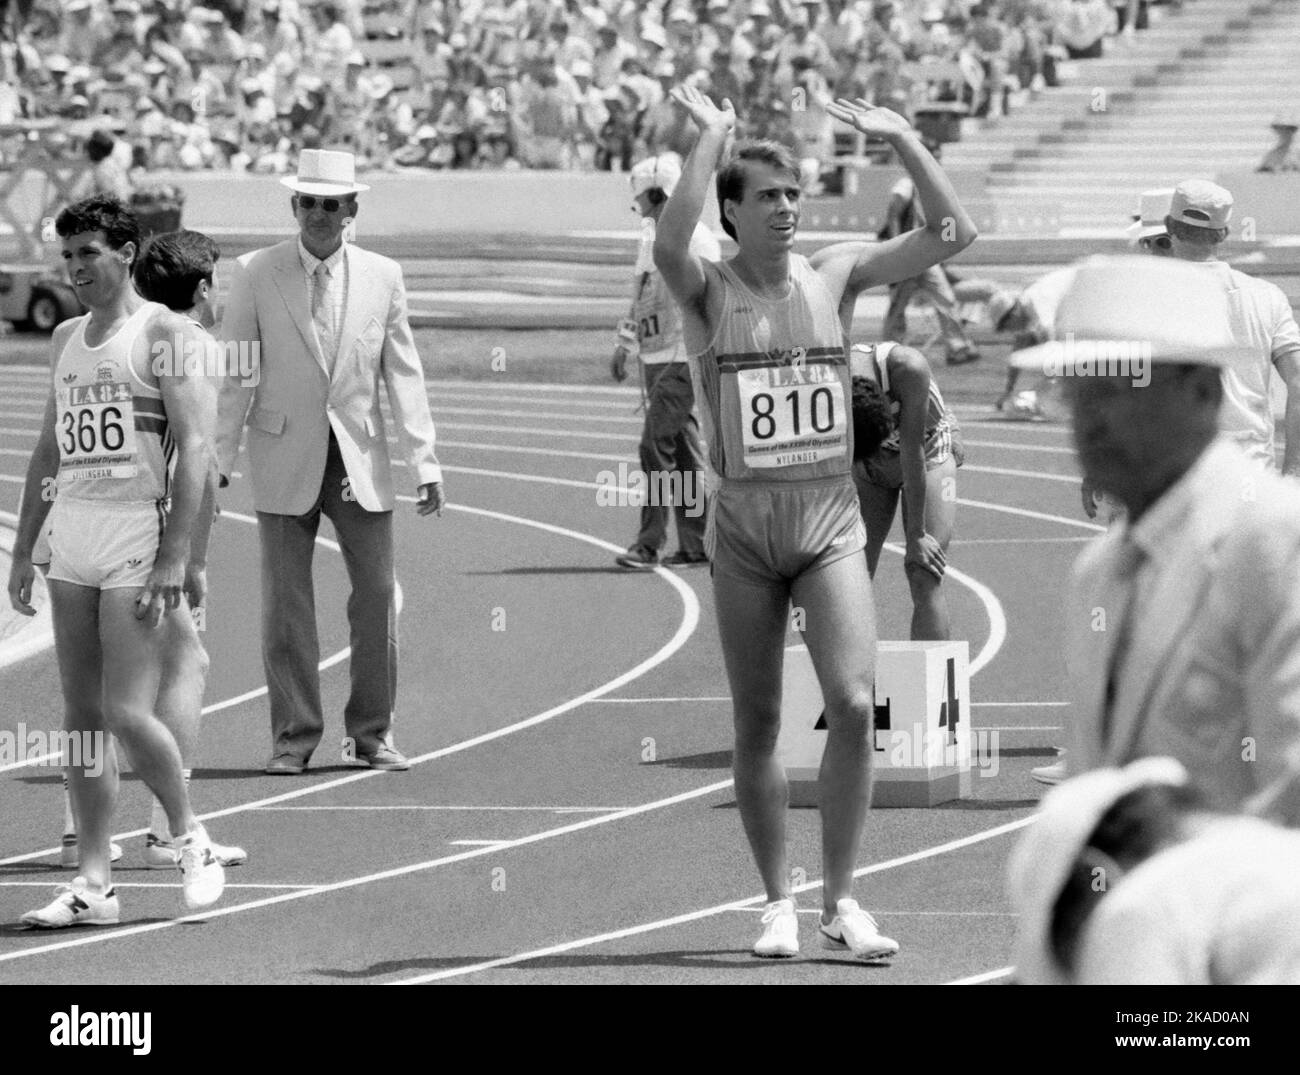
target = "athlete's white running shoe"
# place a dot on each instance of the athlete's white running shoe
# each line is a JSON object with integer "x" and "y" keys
{"x": 75, "y": 905}
{"x": 160, "y": 854}
{"x": 854, "y": 929}
{"x": 780, "y": 937}
{"x": 202, "y": 877}
{"x": 70, "y": 857}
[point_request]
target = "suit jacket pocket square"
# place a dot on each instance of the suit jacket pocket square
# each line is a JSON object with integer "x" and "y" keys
{"x": 267, "y": 421}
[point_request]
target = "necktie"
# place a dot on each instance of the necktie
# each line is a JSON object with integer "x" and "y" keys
{"x": 322, "y": 312}
{"x": 1127, "y": 568}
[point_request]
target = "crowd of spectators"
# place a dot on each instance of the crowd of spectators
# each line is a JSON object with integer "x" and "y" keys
{"x": 246, "y": 84}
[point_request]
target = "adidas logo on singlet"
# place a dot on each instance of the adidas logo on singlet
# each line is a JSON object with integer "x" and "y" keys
{"x": 135, "y": 562}
{"x": 69, "y": 378}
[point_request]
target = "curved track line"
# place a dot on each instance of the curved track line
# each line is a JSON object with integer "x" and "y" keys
{"x": 1026, "y": 513}
{"x": 690, "y": 620}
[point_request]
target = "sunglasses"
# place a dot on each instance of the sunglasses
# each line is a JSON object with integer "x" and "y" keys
{"x": 1159, "y": 242}
{"x": 309, "y": 202}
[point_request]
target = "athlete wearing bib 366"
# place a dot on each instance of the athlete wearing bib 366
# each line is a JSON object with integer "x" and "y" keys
{"x": 119, "y": 557}
{"x": 771, "y": 370}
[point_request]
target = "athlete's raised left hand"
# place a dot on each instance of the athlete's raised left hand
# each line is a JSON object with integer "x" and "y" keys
{"x": 871, "y": 120}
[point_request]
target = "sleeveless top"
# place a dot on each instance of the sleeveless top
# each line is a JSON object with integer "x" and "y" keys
{"x": 936, "y": 412}
{"x": 774, "y": 385}
{"x": 113, "y": 437}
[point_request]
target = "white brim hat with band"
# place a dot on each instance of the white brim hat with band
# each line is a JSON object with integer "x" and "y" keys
{"x": 1137, "y": 308}
{"x": 1042, "y": 861}
{"x": 325, "y": 173}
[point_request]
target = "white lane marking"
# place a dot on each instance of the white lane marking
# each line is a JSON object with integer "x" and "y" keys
{"x": 687, "y": 626}
{"x": 1015, "y": 447}
{"x": 554, "y": 453}
{"x": 1016, "y": 728}
{"x": 468, "y": 809}
{"x": 1016, "y": 541}
{"x": 987, "y": 976}
{"x": 478, "y": 843}
{"x": 893, "y": 914}
{"x": 354, "y": 882}
{"x": 627, "y": 406}
{"x": 149, "y": 884}
{"x": 537, "y": 431}
{"x": 1008, "y": 705}
{"x": 529, "y": 387}
{"x": 628, "y": 419}
{"x": 24, "y": 452}
{"x": 1072, "y": 479}
{"x": 693, "y": 916}
{"x": 216, "y": 707}
{"x": 1063, "y": 520}
{"x": 12, "y": 480}
{"x": 637, "y": 701}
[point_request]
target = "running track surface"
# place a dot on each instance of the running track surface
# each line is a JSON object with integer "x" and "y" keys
{"x": 532, "y": 842}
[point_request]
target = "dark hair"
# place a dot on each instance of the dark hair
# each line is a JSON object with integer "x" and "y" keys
{"x": 1190, "y": 233}
{"x": 171, "y": 265}
{"x": 1138, "y": 825}
{"x": 100, "y": 213}
{"x": 873, "y": 418}
{"x": 99, "y": 145}
{"x": 731, "y": 177}
{"x": 656, "y": 195}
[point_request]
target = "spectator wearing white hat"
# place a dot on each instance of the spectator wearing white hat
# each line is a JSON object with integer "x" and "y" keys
{"x": 1264, "y": 326}
{"x": 671, "y": 455}
{"x": 1281, "y": 157}
{"x": 1183, "y": 619}
{"x": 332, "y": 324}
{"x": 1082, "y": 26}
{"x": 1127, "y": 878}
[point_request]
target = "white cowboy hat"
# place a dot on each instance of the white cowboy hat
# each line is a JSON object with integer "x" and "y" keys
{"x": 325, "y": 173}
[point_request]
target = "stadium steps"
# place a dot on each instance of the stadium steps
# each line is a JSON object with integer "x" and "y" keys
{"x": 1178, "y": 105}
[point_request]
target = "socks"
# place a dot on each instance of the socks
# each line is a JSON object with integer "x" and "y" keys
{"x": 69, "y": 822}
{"x": 158, "y": 824}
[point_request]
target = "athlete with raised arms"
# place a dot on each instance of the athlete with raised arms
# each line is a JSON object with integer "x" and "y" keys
{"x": 771, "y": 366}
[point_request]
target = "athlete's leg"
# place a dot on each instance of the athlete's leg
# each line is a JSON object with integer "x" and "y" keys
{"x": 133, "y": 656}
{"x": 75, "y": 611}
{"x": 840, "y": 630}
{"x": 752, "y": 625}
{"x": 184, "y": 676}
{"x": 878, "y": 505}
{"x": 935, "y": 288}
{"x": 930, "y": 621}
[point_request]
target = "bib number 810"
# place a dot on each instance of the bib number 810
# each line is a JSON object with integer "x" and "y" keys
{"x": 83, "y": 434}
{"x": 821, "y": 403}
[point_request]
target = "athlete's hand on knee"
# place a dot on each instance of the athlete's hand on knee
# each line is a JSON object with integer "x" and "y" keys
{"x": 926, "y": 553}
{"x": 21, "y": 577}
{"x": 162, "y": 591}
{"x": 871, "y": 120}
{"x": 431, "y": 499}
{"x": 702, "y": 110}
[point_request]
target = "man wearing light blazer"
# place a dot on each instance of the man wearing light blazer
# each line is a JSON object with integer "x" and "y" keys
{"x": 331, "y": 325}
{"x": 1183, "y": 627}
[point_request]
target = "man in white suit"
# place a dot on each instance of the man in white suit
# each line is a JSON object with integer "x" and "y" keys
{"x": 1183, "y": 630}
{"x": 330, "y": 320}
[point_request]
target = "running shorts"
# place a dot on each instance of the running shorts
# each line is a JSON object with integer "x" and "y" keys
{"x": 104, "y": 544}
{"x": 766, "y": 533}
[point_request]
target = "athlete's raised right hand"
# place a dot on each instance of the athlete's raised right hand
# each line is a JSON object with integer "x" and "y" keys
{"x": 22, "y": 575}
{"x": 702, "y": 110}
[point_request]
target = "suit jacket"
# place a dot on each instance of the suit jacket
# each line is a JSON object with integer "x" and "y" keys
{"x": 1212, "y": 673}
{"x": 296, "y": 402}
